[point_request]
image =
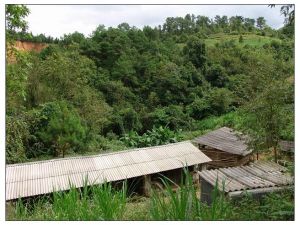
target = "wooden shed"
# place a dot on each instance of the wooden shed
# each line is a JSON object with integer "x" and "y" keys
{"x": 225, "y": 147}
{"x": 287, "y": 147}
{"x": 135, "y": 165}
{"x": 257, "y": 179}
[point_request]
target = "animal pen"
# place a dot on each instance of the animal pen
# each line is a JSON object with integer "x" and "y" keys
{"x": 225, "y": 147}
{"x": 257, "y": 179}
{"x": 143, "y": 165}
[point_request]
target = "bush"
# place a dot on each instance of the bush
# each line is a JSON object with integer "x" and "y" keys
{"x": 57, "y": 128}
{"x": 17, "y": 135}
{"x": 199, "y": 108}
{"x": 172, "y": 116}
{"x": 156, "y": 136}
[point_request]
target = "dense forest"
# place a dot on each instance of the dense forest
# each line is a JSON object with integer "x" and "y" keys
{"x": 128, "y": 87}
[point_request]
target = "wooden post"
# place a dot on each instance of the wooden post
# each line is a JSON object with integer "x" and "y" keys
{"x": 147, "y": 185}
{"x": 203, "y": 166}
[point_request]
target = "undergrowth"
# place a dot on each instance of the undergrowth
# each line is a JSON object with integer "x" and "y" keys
{"x": 103, "y": 202}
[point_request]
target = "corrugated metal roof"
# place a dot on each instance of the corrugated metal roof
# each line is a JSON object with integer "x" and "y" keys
{"x": 225, "y": 139}
{"x": 260, "y": 174}
{"x": 35, "y": 178}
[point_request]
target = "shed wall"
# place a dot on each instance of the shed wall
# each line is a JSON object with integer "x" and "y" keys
{"x": 224, "y": 159}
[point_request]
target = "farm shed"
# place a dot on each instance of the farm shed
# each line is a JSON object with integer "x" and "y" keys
{"x": 287, "y": 147}
{"x": 258, "y": 178}
{"x": 225, "y": 147}
{"x": 36, "y": 178}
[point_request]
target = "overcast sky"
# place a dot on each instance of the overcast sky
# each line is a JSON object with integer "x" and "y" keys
{"x": 56, "y": 20}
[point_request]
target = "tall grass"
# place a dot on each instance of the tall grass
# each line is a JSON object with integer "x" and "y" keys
{"x": 103, "y": 202}
{"x": 97, "y": 202}
{"x": 184, "y": 204}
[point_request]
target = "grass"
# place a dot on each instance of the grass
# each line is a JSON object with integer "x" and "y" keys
{"x": 99, "y": 202}
{"x": 184, "y": 204}
{"x": 103, "y": 202}
{"x": 252, "y": 40}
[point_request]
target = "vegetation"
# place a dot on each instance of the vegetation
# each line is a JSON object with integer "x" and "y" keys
{"x": 102, "y": 202}
{"x": 146, "y": 87}
{"x": 156, "y": 136}
{"x": 126, "y": 87}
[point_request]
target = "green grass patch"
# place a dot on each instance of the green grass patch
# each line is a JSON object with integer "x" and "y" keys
{"x": 252, "y": 40}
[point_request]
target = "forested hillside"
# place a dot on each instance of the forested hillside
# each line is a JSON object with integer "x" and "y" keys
{"x": 128, "y": 87}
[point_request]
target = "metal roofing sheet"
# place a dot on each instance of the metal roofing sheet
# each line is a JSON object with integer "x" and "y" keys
{"x": 225, "y": 139}
{"x": 260, "y": 174}
{"x": 35, "y": 178}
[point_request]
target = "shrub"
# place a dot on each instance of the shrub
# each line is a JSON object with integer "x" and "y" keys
{"x": 58, "y": 128}
{"x": 156, "y": 136}
{"x": 17, "y": 135}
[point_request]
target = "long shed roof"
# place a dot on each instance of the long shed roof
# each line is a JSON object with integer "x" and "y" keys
{"x": 35, "y": 178}
{"x": 225, "y": 139}
{"x": 261, "y": 174}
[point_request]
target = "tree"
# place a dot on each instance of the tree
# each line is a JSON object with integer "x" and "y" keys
{"x": 61, "y": 128}
{"x": 216, "y": 75}
{"x": 75, "y": 37}
{"x": 249, "y": 24}
{"x": 196, "y": 52}
{"x": 266, "y": 116}
{"x": 260, "y": 22}
{"x": 14, "y": 18}
{"x": 236, "y": 23}
{"x": 288, "y": 11}
{"x": 16, "y": 80}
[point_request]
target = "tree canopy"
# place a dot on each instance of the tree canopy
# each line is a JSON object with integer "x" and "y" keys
{"x": 81, "y": 93}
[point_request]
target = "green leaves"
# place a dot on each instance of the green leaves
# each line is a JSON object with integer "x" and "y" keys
{"x": 14, "y": 18}
{"x": 195, "y": 51}
{"x": 17, "y": 135}
{"x": 156, "y": 136}
{"x": 60, "y": 128}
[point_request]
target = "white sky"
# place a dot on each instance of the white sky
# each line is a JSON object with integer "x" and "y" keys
{"x": 56, "y": 20}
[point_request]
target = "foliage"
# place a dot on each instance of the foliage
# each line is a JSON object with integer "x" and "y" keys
{"x": 15, "y": 19}
{"x": 17, "y": 135}
{"x": 196, "y": 52}
{"x": 59, "y": 128}
{"x": 16, "y": 79}
{"x": 172, "y": 116}
{"x": 266, "y": 116}
{"x": 181, "y": 74}
{"x": 99, "y": 202}
{"x": 156, "y": 136}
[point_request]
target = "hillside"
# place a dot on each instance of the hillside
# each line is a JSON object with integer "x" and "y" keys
{"x": 125, "y": 87}
{"x": 30, "y": 46}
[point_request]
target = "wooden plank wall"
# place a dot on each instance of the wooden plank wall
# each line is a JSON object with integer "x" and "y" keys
{"x": 224, "y": 159}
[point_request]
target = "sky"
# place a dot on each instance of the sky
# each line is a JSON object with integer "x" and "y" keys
{"x": 57, "y": 20}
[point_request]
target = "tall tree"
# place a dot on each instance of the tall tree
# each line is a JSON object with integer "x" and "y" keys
{"x": 260, "y": 22}
{"x": 266, "y": 116}
{"x": 196, "y": 52}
